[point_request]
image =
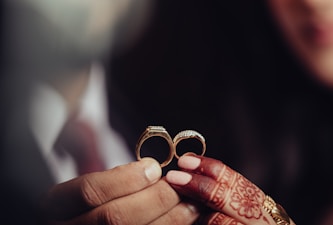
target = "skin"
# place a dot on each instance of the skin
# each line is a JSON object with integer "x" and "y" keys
{"x": 130, "y": 194}
{"x": 308, "y": 27}
{"x": 231, "y": 197}
{"x": 107, "y": 198}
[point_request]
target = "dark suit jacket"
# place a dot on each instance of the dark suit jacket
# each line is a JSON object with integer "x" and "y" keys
{"x": 265, "y": 120}
{"x": 24, "y": 175}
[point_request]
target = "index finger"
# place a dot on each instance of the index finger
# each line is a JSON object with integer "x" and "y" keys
{"x": 221, "y": 188}
{"x": 76, "y": 196}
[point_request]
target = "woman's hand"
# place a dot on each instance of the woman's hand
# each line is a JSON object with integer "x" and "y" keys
{"x": 232, "y": 198}
{"x": 129, "y": 194}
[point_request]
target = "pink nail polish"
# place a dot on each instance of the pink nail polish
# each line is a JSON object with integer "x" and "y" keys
{"x": 189, "y": 162}
{"x": 178, "y": 177}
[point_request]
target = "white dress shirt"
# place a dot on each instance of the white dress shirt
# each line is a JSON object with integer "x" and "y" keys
{"x": 48, "y": 114}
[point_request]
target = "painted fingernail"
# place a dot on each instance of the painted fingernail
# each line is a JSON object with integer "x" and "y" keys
{"x": 189, "y": 162}
{"x": 153, "y": 169}
{"x": 178, "y": 177}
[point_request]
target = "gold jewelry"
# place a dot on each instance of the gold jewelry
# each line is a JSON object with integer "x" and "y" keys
{"x": 276, "y": 211}
{"x": 153, "y": 131}
{"x": 189, "y": 134}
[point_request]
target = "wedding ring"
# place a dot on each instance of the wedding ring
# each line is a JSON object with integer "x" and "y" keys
{"x": 186, "y": 134}
{"x": 156, "y": 131}
{"x": 276, "y": 211}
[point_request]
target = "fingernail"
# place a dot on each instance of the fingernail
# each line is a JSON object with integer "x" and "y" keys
{"x": 193, "y": 209}
{"x": 178, "y": 177}
{"x": 153, "y": 169}
{"x": 189, "y": 162}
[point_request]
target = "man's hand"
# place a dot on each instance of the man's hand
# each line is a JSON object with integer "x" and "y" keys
{"x": 128, "y": 194}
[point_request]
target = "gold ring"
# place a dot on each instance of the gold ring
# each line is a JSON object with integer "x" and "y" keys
{"x": 186, "y": 134}
{"x": 276, "y": 211}
{"x": 155, "y": 131}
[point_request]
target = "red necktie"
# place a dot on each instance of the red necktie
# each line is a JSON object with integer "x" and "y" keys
{"x": 79, "y": 140}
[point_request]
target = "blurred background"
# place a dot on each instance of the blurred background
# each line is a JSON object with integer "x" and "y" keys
{"x": 224, "y": 69}
{"x": 221, "y": 68}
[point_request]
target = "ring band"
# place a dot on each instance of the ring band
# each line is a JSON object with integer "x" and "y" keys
{"x": 186, "y": 134}
{"x": 156, "y": 131}
{"x": 276, "y": 211}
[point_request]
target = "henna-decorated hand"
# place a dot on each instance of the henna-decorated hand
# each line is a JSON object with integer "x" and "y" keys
{"x": 232, "y": 198}
{"x": 128, "y": 194}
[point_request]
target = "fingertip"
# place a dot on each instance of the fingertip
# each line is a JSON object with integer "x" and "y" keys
{"x": 152, "y": 169}
{"x": 189, "y": 161}
{"x": 178, "y": 177}
{"x": 149, "y": 159}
